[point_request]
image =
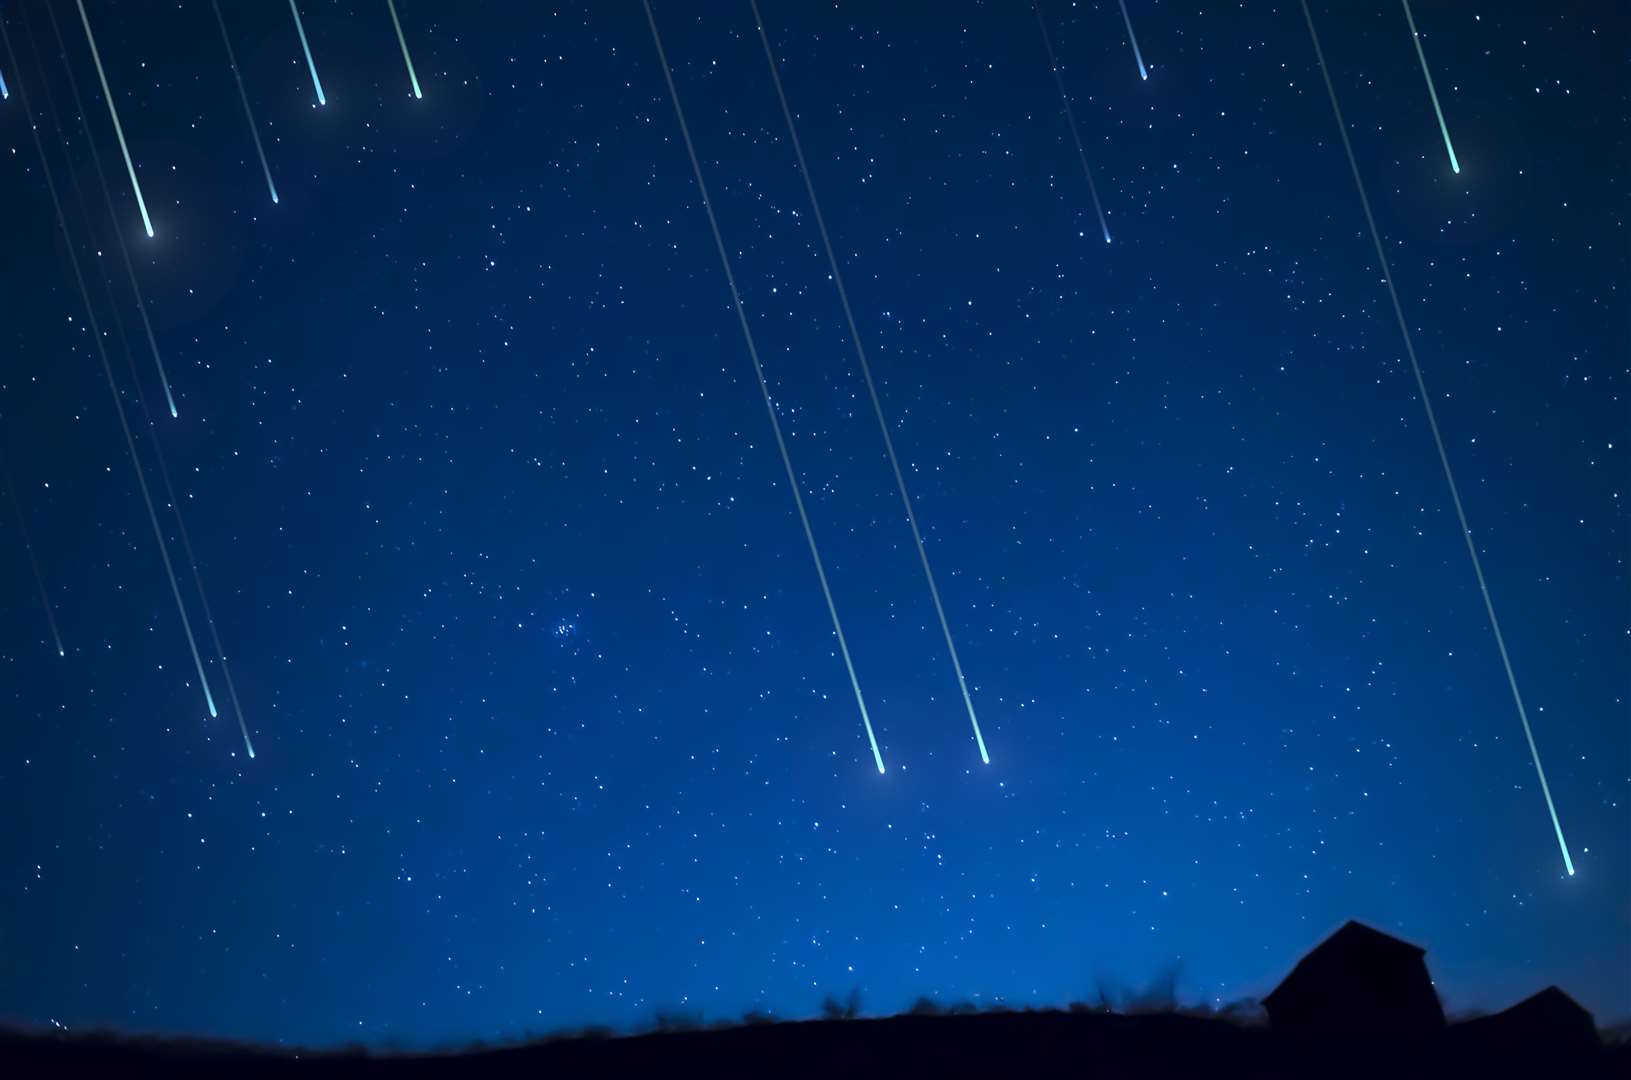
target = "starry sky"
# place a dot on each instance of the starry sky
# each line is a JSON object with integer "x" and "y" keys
{"x": 550, "y": 723}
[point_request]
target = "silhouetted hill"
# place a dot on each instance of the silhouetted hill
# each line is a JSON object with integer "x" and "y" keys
{"x": 1077, "y": 1044}
{"x": 1360, "y": 1004}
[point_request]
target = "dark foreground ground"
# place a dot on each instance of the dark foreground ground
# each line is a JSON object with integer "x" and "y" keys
{"x": 1091, "y": 1046}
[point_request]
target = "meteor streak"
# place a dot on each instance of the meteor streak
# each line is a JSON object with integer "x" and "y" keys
{"x": 192, "y": 560}
{"x": 107, "y": 371}
{"x": 1455, "y": 166}
{"x": 107, "y": 193}
{"x": 141, "y": 397}
{"x": 1438, "y": 440}
{"x": 244, "y": 97}
{"x": 400, "y": 40}
{"x": 317, "y": 84}
{"x": 866, "y": 371}
{"x": 130, "y": 166}
{"x": 764, "y": 388}
{"x": 34, "y": 564}
{"x": 1143, "y": 73}
{"x": 5, "y": 91}
{"x": 1070, "y": 114}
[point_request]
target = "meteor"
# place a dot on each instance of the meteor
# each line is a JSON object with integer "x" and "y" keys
{"x": 107, "y": 371}
{"x": 130, "y": 167}
{"x": 1143, "y": 73}
{"x": 866, "y": 371}
{"x": 400, "y": 40}
{"x": 317, "y": 83}
{"x": 141, "y": 397}
{"x": 107, "y": 194}
{"x": 1438, "y": 441}
{"x": 5, "y": 91}
{"x": 1070, "y": 115}
{"x": 244, "y": 97}
{"x": 1455, "y": 166}
{"x": 34, "y": 564}
{"x": 764, "y": 388}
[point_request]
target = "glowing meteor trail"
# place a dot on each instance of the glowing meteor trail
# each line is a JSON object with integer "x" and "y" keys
{"x": 764, "y": 388}
{"x": 1070, "y": 114}
{"x": 317, "y": 84}
{"x": 34, "y": 564}
{"x": 5, "y": 91}
{"x": 1455, "y": 166}
{"x": 141, "y": 397}
{"x": 186, "y": 541}
{"x": 118, "y": 128}
{"x": 107, "y": 193}
{"x": 243, "y": 96}
{"x": 187, "y": 545}
{"x": 107, "y": 371}
{"x": 1143, "y": 72}
{"x": 402, "y": 41}
{"x": 866, "y": 371}
{"x": 1438, "y": 440}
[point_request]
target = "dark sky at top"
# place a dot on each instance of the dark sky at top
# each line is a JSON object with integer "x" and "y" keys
{"x": 551, "y": 727}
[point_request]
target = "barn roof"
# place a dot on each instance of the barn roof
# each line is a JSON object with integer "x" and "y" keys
{"x": 1353, "y": 940}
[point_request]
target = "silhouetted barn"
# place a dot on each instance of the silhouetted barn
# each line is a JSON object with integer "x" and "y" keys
{"x": 1550, "y": 1017}
{"x": 1358, "y": 982}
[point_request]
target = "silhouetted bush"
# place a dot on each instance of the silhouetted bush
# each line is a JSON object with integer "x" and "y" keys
{"x": 848, "y": 1009}
{"x": 1160, "y": 996}
{"x": 670, "y": 1020}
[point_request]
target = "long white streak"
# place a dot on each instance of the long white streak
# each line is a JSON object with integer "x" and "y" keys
{"x": 192, "y": 560}
{"x": 1143, "y": 72}
{"x": 243, "y": 96}
{"x": 764, "y": 388}
{"x": 1438, "y": 441}
{"x": 113, "y": 387}
{"x": 866, "y": 371}
{"x": 317, "y": 84}
{"x": 113, "y": 111}
{"x": 1455, "y": 166}
{"x": 141, "y": 401}
{"x": 1070, "y": 114}
{"x": 402, "y": 41}
{"x": 34, "y": 564}
{"x": 107, "y": 195}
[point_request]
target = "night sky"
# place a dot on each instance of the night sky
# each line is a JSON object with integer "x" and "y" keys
{"x": 551, "y": 727}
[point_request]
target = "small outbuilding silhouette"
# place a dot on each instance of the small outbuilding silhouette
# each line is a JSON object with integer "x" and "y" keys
{"x": 1550, "y": 1017}
{"x": 1359, "y": 982}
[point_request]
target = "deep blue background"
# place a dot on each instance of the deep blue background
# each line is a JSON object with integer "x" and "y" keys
{"x": 551, "y": 725}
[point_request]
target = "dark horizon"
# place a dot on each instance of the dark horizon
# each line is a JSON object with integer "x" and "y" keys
{"x": 1359, "y": 1003}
